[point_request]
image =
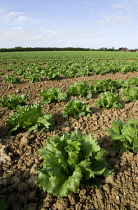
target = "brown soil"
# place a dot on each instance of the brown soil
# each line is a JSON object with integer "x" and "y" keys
{"x": 19, "y": 154}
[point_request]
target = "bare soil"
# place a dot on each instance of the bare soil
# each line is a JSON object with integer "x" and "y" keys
{"x": 19, "y": 154}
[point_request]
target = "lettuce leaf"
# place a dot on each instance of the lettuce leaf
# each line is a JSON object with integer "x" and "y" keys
{"x": 30, "y": 117}
{"x": 12, "y": 101}
{"x": 52, "y": 95}
{"x": 124, "y": 135}
{"x": 108, "y": 100}
{"x": 81, "y": 89}
{"x": 131, "y": 94}
{"x": 69, "y": 160}
{"x": 76, "y": 108}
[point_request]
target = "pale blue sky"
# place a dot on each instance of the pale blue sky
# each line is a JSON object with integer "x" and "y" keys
{"x": 69, "y": 23}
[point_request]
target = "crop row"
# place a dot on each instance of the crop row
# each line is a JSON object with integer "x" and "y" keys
{"x": 30, "y": 117}
{"x": 59, "y": 68}
{"x": 107, "y": 87}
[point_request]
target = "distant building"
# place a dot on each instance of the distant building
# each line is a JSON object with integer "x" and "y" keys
{"x": 124, "y": 50}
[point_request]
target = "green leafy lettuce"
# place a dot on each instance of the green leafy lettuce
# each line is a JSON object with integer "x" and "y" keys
{"x": 131, "y": 94}
{"x": 51, "y": 75}
{"x": 30, "y": 117}
{"x": 102, "y": 85}
{"x": 124, "y": 135}
{"x": 108, "y": 100}
{"x": 81, "y": 89}
{"x": 133, "y": 81}
{"x": 12, "y": 79}
{"x": 52, "y": 95}
{"x": 12, "y": 101}
{"x": 69, "y": 160}
{"x": 76, "y": 108}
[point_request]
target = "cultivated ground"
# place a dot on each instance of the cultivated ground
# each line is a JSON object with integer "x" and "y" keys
{"x": 19, "y": 154}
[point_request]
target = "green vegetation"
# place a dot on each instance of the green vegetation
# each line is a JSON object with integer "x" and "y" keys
{"x": 102, "y": 85}
{"x": 124, "y": 135}
{"x": 131, "y": 94}
{"x": 81, "y": 89}
{"x": 69, "y": 160}
{"x": 57, "y": 65}
{"x": 108, "y": 100}
{"x": 11, "y": 79}
{"x": 30, "y": 117}
{"x": 133, "y": 81}
{"x": 76, "y": 108}
{"x": 12, "y": 101}
{"x": 52, "y": 95}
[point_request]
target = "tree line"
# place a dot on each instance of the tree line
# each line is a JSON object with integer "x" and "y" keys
{"x": 22, "y": 49}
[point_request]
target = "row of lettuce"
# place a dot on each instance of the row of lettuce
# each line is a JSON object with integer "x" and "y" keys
{"x": 58, "y": 69}
{"x": 72, "y": 158}
{"x": 109, "y": 97}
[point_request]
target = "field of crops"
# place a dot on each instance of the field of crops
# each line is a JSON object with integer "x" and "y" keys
{"x": 69, "y": 130}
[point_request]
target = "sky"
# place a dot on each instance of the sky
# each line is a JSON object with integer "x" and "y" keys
{"x": 69, "y": 23}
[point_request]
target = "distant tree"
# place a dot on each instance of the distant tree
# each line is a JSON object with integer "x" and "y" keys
{"x": 19, "y": 48}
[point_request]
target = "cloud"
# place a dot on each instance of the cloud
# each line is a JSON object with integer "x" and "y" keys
{"x": 13, "y": 14}
{"x": 10, "y": 16}
{"x": 13, "y": 18}
{"x": 117, "y": 18}
{"x": 16, "y": 19}
{"x": 22, "y": 18}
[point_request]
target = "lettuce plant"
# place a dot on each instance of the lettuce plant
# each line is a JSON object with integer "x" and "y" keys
{"x": 69, "y": 160}
{"x": 12, "y": 101}
{"x": 124, "y": 135}
{"x": 76, "y": 108}
{"x": 131, "y": 94}
{"x": 34, "y": 78}
{"x": 52, "y": 95}
{"x": 69, "y": 73}
{"x": 108, "y": 100}
{"x": 81, "y": 89}
{"x": 106, "y": 85}
{"x": 133, "y": 81}
{"x": 51, "y": 75}
{"x": 84, "y": 71}
{"x": 12, "y": 79}
{"x": 30, "y": 117}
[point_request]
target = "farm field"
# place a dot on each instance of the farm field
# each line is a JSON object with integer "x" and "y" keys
{"x": 31, "y": 73}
